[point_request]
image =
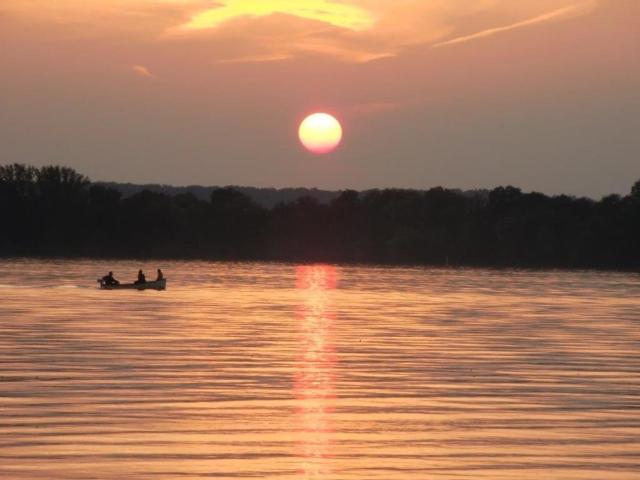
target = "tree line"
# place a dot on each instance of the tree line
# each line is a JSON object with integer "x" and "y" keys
{"x": 55, "y": 211}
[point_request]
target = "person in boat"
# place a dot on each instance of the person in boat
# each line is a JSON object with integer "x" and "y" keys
{"x": 110, "y": 280}
{"x": 160, "y": 275}
{"x": 141, "y": 278}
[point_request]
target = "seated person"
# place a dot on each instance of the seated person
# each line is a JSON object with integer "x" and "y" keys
{"x": 160, "y": 275}
{"x": 109, "y": 280}
{"x": 141, "y": 278}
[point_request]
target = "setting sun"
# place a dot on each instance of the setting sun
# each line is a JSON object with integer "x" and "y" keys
{"x": 320, "y": 133}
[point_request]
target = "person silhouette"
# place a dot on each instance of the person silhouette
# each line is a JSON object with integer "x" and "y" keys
{"x": 160, "y": 275}
{"x": 110, "y": 280}
{"x": 141, "y": 278}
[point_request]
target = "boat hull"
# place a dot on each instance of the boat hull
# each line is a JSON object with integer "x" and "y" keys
{"x": 155, "y": 285}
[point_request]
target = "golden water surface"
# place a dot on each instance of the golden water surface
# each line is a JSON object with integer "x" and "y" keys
{"x": 246, "y": 371}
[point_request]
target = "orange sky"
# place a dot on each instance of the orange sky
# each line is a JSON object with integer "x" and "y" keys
{"x": 463, "y": 93}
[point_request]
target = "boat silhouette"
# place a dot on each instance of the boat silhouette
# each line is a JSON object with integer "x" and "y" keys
{"x": 154, "y": 285}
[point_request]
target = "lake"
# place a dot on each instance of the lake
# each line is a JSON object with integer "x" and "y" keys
{"x": 274, "y": 371}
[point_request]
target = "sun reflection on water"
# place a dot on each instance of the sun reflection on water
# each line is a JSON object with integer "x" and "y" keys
{"x": 316, "y": 364}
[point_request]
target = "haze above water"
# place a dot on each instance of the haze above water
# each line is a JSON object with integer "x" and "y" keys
{"x": 318, "y": 372}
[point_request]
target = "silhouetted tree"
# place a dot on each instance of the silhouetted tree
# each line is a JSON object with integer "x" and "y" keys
{"x": 635, "y": 191}
{"x": 57, "y": 211}
{"x": 238, "y": 225}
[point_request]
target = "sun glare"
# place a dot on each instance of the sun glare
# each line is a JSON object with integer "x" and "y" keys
{"x": 320, "y": 133}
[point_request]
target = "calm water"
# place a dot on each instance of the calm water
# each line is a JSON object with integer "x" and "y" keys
{"x": 318, "y": 372}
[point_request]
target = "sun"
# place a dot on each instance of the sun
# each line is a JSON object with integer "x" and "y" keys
{"x": 320, "y": 133}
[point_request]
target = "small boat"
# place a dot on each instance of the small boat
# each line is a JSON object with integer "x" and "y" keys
{"x": 154, "y": 285}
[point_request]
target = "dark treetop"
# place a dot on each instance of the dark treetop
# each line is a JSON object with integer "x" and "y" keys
{"x": 54, "y": 211}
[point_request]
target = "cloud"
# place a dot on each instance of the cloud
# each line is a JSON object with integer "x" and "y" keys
{"x": 142, "y": 71}
{"x": 359, "y": 30}
{"x": 94, "y": 18}
{"x": 277, "y": 30}
{"x": 569, "y": 11}
{"x": 330, "y": 12}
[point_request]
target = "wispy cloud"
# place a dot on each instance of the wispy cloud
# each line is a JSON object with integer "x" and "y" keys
{"x": 327, "y": 11}
{"x": 560, "y": 13}
{"x": 142, "y": 71}
{"x": 356, "y": 31}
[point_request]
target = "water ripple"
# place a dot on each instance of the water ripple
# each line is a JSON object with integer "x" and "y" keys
{"x": 318, "y": 372}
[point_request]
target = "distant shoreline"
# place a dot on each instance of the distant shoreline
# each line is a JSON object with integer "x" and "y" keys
{"x": 162, "y": 260}
{"x": 56, "y": 212}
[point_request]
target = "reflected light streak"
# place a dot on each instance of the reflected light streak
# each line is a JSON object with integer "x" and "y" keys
{"x": 315, "y": 372}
